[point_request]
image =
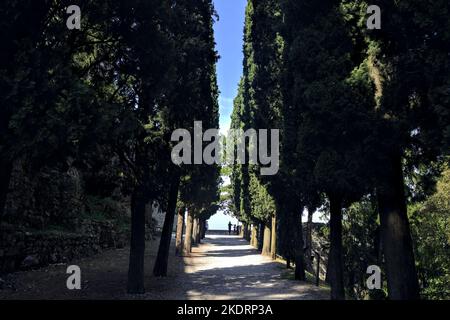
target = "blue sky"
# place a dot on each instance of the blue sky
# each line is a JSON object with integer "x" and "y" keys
{"x": 228, "y": 32}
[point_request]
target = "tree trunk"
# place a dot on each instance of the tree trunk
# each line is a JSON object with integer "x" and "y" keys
{"x": 317, "y": 270}
{"x": 139, "y": 199}
{"x": 162, "y": 259}
{"x": 247, "y": 232}
{"x": 308, "y": 251}
{"x": 253, "y": 240}
{"x": 137, "y": 245}
{"x": 335, "y": 258}
{"x": 260, "y": 237}
{"x": 285, "y": 235}
{"x": 396, "y": 236}
{"x": 195, "y": 232}
{"x": 266, "y": 241}
{"x": 188, "y": 236}
{"x": 179, "y": 235}
{"x": 5, "y": 178}
{"x": 378, "y": 246}
{"x": 288, "y": 263}
{"x": 198, "y": 231}
{"x": 299, "y": 256}
{"x": 273, "y": 242}
{"x": 328, "y": 268}
{"x": 299, "y": 265}
{"x": 204, "y": 229}
{"x": 149, "y": 214}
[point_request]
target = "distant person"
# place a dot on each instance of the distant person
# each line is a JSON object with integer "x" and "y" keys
{"x": 234, "y": 229}
{"x": 229, "y": 227}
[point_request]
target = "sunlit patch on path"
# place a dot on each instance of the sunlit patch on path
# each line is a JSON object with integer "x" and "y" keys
{"x": 226, "y": 267}
{"x": 222, "y": 267}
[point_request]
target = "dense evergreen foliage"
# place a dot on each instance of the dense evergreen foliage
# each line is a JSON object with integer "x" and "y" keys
{"x": 103, "y": 102}
{"x": 364, "y": 121}
{"x": 86, "y": 119}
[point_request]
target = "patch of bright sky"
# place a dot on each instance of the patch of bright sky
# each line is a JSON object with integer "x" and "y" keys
{"x": 229, "y": 33}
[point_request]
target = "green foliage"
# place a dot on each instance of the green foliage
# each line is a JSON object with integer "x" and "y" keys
{"x": 258, "y": 106}
{"x": 412, "y": 90}
{"x": 361, "y": 242}
{"x": 430, "y": 225}
{"x": 104, "y": 100}
{"x": 328, "y": 101}
{"x": 262, "y": 204}
{"x": 347, "y": 100}
{"x": 197, "y": 85}
{"x": 86, "y": 117}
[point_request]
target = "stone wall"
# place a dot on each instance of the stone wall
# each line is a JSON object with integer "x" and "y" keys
{"x": 22, "y": 250}
{"x": 51, "y": 218}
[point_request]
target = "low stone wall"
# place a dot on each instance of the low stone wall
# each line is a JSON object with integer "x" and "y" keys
{"x": 22, "y": 250}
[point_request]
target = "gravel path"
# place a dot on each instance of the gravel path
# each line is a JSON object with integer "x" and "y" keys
{"x": 227, "y": 267}
{"x": 222, "y": 267}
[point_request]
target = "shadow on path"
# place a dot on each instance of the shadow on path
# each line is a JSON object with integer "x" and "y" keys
{"x": 222, "y": 267}
{"x": 227, "y": 267}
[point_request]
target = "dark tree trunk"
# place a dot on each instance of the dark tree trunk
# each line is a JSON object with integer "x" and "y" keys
{"x": 335, "y": 264}
{"x": 162, "y": 259}
{"x": 137, "y": 245}
{"x": 317, "y": 270}
{"x": 253, "y": 237}
{"x": 198, "y": 232}
{"x": 308, "y": 251}
{"x": 247, "y": 232}
{"x": 139, "y": 200}
{"x": 266, "y": 240}
{"x": 285, "y": 235}
{"x": 378, "y": 247}
{"x": 299, "y": 265}
{"x": 149, "y": 214}
{"x": 179, "y": 235}
{"x": 273, "y": 242}
{"x": 288, "y": 262}
{"x": 298, "y": 249}
{"x": 396, "y": 236}
{"x": 327, "y": 275}
{"x": 5, "y": 178}
{"x": 188, "y": 236}
{"x": 260, "y": 236}
{"x": 204, "y": 229}
{"x": 195, "y": 232}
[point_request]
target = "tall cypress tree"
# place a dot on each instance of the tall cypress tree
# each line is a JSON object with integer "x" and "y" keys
{"x": 412, "y": 125}
{"x": 195, "y": 98}
{"x": 327, "y": 112}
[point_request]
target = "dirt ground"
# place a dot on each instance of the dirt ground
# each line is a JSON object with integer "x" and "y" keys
{"x": 222, "y": 267}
